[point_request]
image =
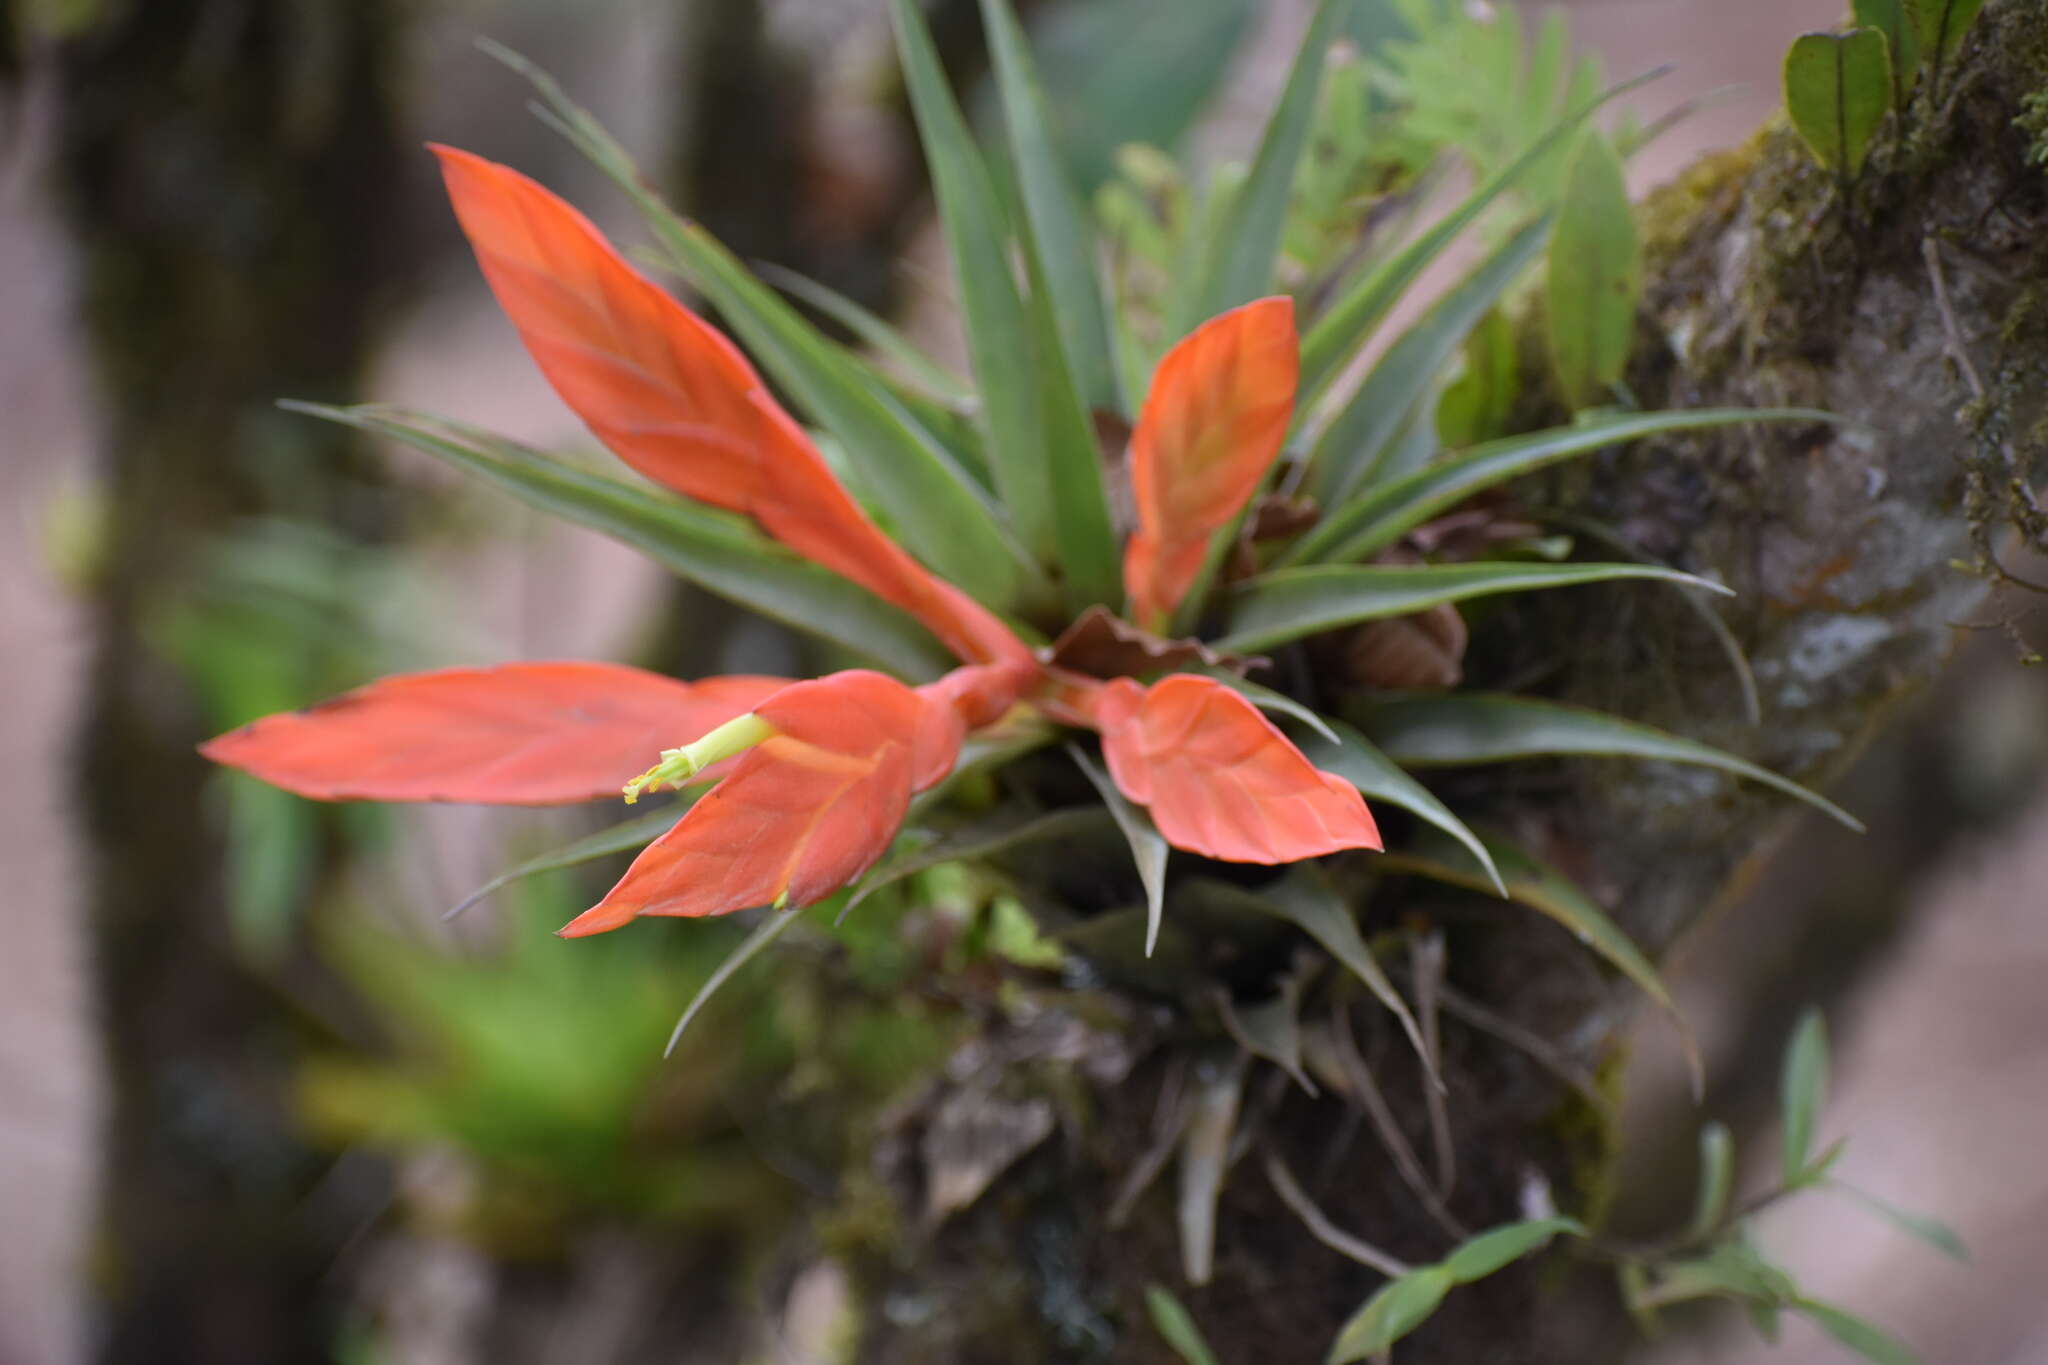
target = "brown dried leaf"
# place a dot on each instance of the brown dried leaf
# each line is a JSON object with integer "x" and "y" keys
{"x": 1103, "y": 645}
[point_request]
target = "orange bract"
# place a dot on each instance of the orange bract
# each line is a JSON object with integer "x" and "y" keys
{"x": 525, "y": 734}
{"x": 1211, "y": 427}
{"x": 677, "y": 401}
{"x": 804, "y": 813}
{"x": 1220, "y": 779}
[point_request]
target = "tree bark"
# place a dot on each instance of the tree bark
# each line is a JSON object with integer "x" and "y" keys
{"x": 220, "y": 166}
{"x": 1909, "y": 308}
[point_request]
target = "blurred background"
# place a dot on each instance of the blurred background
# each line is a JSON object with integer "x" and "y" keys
{"x": 258, "y": 1104}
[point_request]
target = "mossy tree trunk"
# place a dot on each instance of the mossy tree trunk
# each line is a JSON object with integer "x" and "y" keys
{"x": 227, "y": 171}
{"x": 1914, "y": 310}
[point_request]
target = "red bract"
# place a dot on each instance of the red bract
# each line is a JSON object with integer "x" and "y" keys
{"x": 1210, "y": 429}
{"x": 807, "y": 810}
{"x": 1221, "y": 780}
{"x": 676, "y": 400}
{"x": 816, "y": 775}
{"x": 531, "y": 734}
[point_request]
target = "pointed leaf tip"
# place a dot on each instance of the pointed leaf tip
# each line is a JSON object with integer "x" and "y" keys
{"x": 1211, "y": 427}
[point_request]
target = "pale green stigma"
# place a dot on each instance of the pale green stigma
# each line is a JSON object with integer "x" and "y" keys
{"x": 678, "y": 766}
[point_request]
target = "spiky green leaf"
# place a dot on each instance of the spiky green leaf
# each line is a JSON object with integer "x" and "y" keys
{"x": 623, "y": 837}
{"x": 1239, "y": 266}
{"x": 1383, "y": 514}
{"x": 1352, "y": 757}
{"x": 1353, "y": 446}
{"x": 1477, "y": 727}
{"x": 713, "y": 549}
{"x": 1059, "y": 231}
{"x": 1288, "y": 604}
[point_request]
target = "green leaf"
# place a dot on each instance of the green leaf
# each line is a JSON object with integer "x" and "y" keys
{"x": 1059, "y": 231}
{"x": 1148, "y": 846}
{"x": 1343, "y": 327}
{"x": 1542, "y": 888}
{"x": 719, "y": 552}
{"x": 1240, "y": 261}
{"x": 1919, "y": 1226}
{"x": 996, "y": 832}
{"x": 1838, "y": 88}
{"x": 1866, "y": 1339}
{"x": 1940, "y": 27}
{"x": 1500, "y": 1247}
{"x": 877, "y": 333}
{"x": 1383, "y": 514}
{"x": 1717, "y": 1180}
{"x": 1893, "y": 19}
{"x": 1288, "y": 604}
{"x": 998, "y": 327}
{"x": 772, "y": 926}
{"x": 622, "y": 837}
{"x": 933, "y": 506}
{"x": 1400, "y": 1306}
{"x": 1480, "y": 727}
{"x": 1350, "y": 756}
{"x": 1803, "y": 1088}
{"x": 1595, "y": 275}
{"x": 1304, "y": 898}
{"x": 1090, "y": 563}
{"x": 1351, "y": 449}
{"x": 1177, "y": 1326}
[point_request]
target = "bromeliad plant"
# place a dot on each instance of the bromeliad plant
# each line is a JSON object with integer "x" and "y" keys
{"x": 1006, "y": 567}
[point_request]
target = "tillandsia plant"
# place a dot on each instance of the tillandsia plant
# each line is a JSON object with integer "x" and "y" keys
{"x": 1089, "y": 537}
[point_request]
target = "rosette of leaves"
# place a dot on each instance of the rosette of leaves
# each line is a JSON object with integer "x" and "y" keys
{"x": 1104, "y": 532}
